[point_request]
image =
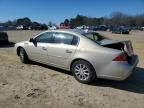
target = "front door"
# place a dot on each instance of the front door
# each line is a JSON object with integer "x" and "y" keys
{"x": 38, "y": 50}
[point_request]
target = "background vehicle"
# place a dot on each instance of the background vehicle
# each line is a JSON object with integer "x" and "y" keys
{"x": 84, "y": 27}
{"x": 99, "y": 28}
{"x": 87, "y": 54}
{"x": 20, "y": 27}
{"x": 37, "y": 26}
{"x": 142, "y": 28}
{"x": 120, "y": 30}
{"x": 63, "y": 26}
{"x": 3, "y": 37}
{"x": 52, "y": 27}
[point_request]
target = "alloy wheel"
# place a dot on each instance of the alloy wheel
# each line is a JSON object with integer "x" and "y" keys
{"x": 81, "y": 72}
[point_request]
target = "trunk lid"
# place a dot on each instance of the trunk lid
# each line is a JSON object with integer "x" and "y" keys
{"x": 125, "y": 46}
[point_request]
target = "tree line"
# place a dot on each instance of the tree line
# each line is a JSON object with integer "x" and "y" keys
{"x": 115, "y": 19}
{"x": 21, "y": 21}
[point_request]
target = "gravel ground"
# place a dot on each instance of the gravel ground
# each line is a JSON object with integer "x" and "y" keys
{"x": 40, "y": 86}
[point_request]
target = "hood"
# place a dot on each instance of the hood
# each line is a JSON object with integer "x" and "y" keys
{"x": 21, "y": 43}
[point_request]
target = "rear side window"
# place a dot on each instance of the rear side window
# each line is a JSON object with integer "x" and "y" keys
{"x": 64, "y": 38}
{"x": 95, "y": 37}
{"x": 44, "y": 38}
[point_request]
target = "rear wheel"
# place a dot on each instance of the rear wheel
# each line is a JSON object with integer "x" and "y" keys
{"x": 83, "y": 71}
{"x": 23, "y": 56}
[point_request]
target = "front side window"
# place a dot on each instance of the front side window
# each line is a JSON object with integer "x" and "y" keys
{"x": 44, "y": 38}
{"x": 64, "y": 38}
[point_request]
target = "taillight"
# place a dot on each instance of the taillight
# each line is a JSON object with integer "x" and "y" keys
{"x": 120, "y": 58}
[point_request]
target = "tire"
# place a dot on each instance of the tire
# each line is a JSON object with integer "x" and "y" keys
{"x": 23, "y": 56}
{"x": 83, "y": 72}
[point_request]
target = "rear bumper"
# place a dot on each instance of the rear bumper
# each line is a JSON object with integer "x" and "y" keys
{"x": 119, "y": 70}
{"x": 133, "y": 63}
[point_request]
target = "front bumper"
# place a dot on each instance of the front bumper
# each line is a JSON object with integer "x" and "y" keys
{"x": 119, "y": 70}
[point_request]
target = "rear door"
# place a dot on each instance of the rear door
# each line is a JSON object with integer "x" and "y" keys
{"x": 62, "y": 50}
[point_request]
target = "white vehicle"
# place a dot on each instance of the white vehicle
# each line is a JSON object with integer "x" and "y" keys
{"x": 82, "y": 27}
{"x": 52, "y": 28}
{"x": 20, "y": 27}
{"x": 142, "y": 28}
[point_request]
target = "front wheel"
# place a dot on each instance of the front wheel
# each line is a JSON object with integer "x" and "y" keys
{"x": 83, "y": 71}
{"x": 23, "y": 56}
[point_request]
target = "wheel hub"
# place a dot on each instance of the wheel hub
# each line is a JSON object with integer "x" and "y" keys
{"x": 82, "y": 72}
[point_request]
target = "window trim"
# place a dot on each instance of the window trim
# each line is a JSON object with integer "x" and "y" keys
{"x": 59, "y": 32}
{"x": 98, "y": 35}
{"x": 42, "y": 35}
{"x": 68, "y": 34}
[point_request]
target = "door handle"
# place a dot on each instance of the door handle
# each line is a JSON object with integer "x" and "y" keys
{"x": 68, "y": 51}
{"x": 44, "y": 48}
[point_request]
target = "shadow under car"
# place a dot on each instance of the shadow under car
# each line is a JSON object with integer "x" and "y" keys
{"x": 7, "y": 45}
{"x": 135, "y": 83}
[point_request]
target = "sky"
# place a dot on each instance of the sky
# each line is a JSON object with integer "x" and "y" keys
{"x": 56, "y": 11}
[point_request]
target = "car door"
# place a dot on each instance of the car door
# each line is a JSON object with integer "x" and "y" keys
{"x": 38, "y": 50}
{"x": 62, "y": 50}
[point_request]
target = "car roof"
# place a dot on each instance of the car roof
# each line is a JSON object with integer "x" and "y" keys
{"x": 77, "y": 31}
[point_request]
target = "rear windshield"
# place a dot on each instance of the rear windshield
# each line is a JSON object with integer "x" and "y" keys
{"x": 96, "y": 37}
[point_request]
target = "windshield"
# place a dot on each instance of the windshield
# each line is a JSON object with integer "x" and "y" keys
{"x": 96, "y": 37}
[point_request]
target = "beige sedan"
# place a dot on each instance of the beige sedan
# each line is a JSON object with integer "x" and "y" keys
{"x": 87, "y": 54}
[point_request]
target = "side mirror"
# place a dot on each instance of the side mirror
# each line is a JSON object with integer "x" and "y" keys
{"x": 32, "y": 40}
